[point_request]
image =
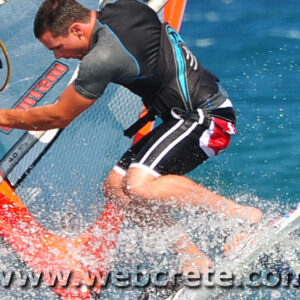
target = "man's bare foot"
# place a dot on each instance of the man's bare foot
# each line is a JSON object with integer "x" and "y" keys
{"x": 251, "y": 214}
{"x": 233, "y": 243}
{"x": 192, "y": 258}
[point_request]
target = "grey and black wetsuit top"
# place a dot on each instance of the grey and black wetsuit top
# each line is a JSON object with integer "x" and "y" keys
{"x": 131, "y": 47}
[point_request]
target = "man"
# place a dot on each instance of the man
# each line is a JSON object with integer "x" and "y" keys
{"x": 125, "y": 43}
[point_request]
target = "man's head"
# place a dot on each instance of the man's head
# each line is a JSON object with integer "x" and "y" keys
{"x": 62, "y": 26}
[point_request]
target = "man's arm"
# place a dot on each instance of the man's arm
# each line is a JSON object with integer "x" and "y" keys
{"x": 57, "y": 115}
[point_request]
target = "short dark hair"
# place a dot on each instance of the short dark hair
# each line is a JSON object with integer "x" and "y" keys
{"x": 57, "y": 17}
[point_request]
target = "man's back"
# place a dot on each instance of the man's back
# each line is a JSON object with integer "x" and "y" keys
{"x": 138, "y": 28}
{"x": 124, "y": 48}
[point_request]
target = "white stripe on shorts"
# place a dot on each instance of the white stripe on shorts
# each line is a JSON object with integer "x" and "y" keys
{"x": 160, "y": 140}
{"x": 145, "y": 168}
{"x": 119, "y": 170}
{"x": 226, "y": 103}
{"x": 174, "y": 143}
{"x": 204, "y": 140}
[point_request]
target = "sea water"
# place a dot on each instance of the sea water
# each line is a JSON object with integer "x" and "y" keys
{"x": 253, "y": 47}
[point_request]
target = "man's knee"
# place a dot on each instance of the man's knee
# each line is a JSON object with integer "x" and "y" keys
{"x": 112, "y": 187}
{"x": 132, "y": 189}
{"x": 136, "y": 183}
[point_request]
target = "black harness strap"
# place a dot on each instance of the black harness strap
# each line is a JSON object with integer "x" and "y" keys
{"x": 140, "y": 123}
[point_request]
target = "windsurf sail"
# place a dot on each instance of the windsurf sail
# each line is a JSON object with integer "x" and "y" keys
{"x": 45, "y": 179}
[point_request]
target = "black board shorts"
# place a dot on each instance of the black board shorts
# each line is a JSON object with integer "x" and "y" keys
{"x": 177, "y": 146}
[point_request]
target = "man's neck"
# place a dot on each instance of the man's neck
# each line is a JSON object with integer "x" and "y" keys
{"x": 92, "y": 25}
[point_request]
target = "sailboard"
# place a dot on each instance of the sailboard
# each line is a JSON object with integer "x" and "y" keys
{"x": 244, "y": 255}
{"x": 35, "y": 172}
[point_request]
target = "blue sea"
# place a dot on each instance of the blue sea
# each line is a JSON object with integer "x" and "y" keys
{"x": 253, "y": 46}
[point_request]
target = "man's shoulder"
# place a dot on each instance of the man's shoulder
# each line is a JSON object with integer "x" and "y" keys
{"x": 103, "y": 53}
{"x": 108, "y": 59}
{"x": 104, "y": 42}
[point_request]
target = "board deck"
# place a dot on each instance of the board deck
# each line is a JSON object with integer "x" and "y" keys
{"x": 256, "y": 245}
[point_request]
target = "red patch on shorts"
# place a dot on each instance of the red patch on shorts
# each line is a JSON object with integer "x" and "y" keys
{"x": 221, "y": 136}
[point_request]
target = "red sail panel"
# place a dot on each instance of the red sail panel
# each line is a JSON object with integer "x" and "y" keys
{"x": 43, "y": 251}
{"x": 173, "y": 13}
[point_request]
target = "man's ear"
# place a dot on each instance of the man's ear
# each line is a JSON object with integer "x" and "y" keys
{"x": 76, "y": 29}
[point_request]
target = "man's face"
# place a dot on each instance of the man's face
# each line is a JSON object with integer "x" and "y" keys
{"x": 71, "y": 46}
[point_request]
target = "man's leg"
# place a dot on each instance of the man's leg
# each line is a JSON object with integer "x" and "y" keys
{"x": 192, "y": 259}
{"x": 143, "y": 215}
{"x": 172, "y": 147}
{"x": 140, "y": 213}
{"x": 181, "y": 191}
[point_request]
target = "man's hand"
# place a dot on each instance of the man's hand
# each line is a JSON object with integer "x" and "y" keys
{"x": 57, "y": 115}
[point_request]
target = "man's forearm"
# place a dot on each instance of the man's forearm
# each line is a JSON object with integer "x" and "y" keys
{"x": 38, "y": 118}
